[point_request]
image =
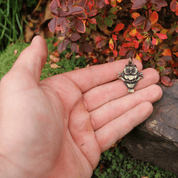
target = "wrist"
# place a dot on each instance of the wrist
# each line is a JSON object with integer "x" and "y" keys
{"x": 8, "y": 169}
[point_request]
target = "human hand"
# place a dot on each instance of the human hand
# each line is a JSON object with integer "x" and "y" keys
{"x": 58, "y": 127}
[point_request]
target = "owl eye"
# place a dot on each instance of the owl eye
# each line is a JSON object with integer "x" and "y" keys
{"x": 133, "y": 70}
{"x": 128, "y": 70}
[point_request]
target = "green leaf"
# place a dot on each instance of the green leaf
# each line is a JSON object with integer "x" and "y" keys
{"x": 88, "y": 30}
{"x": 112, "y": 16}
{"x": 109, "y": 22}
{"x": 169, "y": 36}
{"x": 101, "y": 24}
{"x": 161, "y": 69}
{"x": 144, "y": 7}
{"x": 113, "y": 9}
{"x": 92, "y": 26}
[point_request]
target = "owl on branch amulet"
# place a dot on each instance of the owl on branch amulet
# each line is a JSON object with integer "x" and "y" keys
{"x": 130, "y": 76}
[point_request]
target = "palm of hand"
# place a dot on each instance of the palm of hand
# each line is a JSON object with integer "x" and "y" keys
{"x": 73, "y": 116}
{"x": 79, "y": 141}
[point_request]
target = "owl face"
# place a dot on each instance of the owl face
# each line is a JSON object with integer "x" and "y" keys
{"x": 130, "y": 70}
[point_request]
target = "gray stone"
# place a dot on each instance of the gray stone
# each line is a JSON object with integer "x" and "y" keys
{"x": 156, "y": 139}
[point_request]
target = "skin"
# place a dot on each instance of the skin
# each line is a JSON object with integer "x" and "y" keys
{"x": 58, "y": 127}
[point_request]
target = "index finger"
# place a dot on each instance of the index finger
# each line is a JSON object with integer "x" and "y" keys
{"x": 93, "y": 76}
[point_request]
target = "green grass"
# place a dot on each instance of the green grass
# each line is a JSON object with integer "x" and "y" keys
{"x": 7, "y": 58}
{"x": 10, "y": 22}
{"x": 115, "y": 162}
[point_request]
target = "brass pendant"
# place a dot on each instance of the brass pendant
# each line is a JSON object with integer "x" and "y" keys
{"x": 130, "y": 76}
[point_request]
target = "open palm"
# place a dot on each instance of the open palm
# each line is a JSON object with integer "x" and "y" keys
{"x": 59, "y": 127}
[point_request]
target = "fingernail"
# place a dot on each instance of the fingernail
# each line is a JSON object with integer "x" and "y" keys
{"x": 34, "y": 39}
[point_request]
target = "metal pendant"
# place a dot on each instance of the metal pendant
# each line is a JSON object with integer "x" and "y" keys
{"x": 130, "y": 76}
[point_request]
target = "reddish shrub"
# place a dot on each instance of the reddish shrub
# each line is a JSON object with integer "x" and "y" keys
{"x": 144, "y": 29}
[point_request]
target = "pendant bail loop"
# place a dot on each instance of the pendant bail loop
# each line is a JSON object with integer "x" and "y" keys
{"x": 130, "y": 61}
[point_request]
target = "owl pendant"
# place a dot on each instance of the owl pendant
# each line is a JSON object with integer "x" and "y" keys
{"x": 130, "y": 76}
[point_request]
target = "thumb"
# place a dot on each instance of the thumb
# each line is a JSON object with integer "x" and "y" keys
{"x": 28, "y": 66}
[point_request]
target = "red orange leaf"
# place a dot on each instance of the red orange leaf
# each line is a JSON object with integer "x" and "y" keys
{"x": 127, "y": 45}
{"x": 157, "y": 27}
{"x": 161, "y": 36}
{"x": 114, "y": 37}
{"x": 53, "y": 5}
{"x": 138, "y": 4}
{"x": 176, "y": 54}
{"x": 56, "y": 43}
{"x": 167, "y": 52}
{"x": 177, "y": 10}
{"x": 154, "y": 41}
{"x": 98, "y": 38}
{"x": 147, "y": 25}
{"x": 100, "y": 44}
{"x": 107, "y": 2}
{"x": 82, "y": 3}
{"x": 146, "y": 58}
{"x": 75, "y": 10}
{"x": 80, "y": 25}
{"x": 115, "y": 53}
{"x": 138, "y": 21}
{"x": 90, "y": 4}
{"x": 123, "y": 51}
{"x": 166, "y": 71}
{"x": 63, "y": 5}
{"x": 74, "y": 47}
{"x": 119, "y": 27}
{"x": 166, "y": 81}
{"x": 111, "y": 44}
{"x": 136, "y": 43}
{"x": 93, "y": 12}
{"x": 166, "y": 58}
{"x": 63, "y": 45}
{"x": 145, "y": 46}
{"x": 140, "y": 37}
{"x": 75, "y": 37}
{"x": 151, "y": 51}
{"x": 175, "y": 71}
{"x": 133, "y": 32}
{"x": 154, "y": 17}
{"x": 106, "y": 51}
{"x": 95, "y": 60}
{"x": 135, "y": 15}
{"x": 52, "y": 25}
{"x": 100, "y": 3}
{"x": 159, "y": 3}
{"x": 175, "y": 64}
{"x": 160, "y": 63}
{"x": 92, "y": 20}
{"x": 173, "y": 5}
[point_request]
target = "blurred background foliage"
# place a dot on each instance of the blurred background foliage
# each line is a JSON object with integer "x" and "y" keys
{"x": 11, "y": 20}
